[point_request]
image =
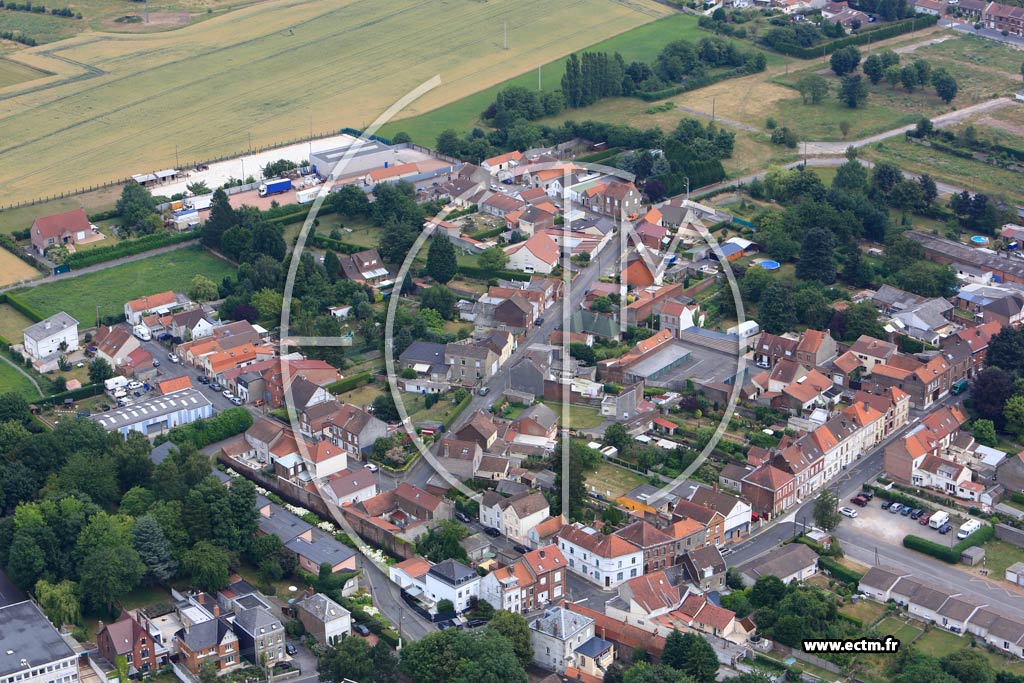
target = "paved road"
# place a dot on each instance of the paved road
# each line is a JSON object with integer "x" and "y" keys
{"x": 168, "y": 370}
{"x": 101, "y": 266}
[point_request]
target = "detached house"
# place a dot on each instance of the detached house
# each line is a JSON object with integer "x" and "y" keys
{"x": 365, "y": 267}
{"x": 538, "y": 254}
{"x": 127, "y": 638}
{"x": 45, "y": 341}
{"x": 618, "y": 199}
{"x": 114, "y": 345}
{"x": 59, "y": 228}
{"x": 470, "y": 364}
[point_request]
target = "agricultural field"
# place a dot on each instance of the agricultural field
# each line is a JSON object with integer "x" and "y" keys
{"x": 108, "y": 87}
{"x": 14, "y": 270}
{"x": 12, "y": 73}
{"x": 982, "y": 52}
{"x": 43, "y": 28}
{"x": 643, "y": 43}
{"x": 21, "y": 218}
{"x": 111, "y": 288}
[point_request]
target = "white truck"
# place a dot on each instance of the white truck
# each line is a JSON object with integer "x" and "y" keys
{"x": 114, "y": 383}
{"x": 938, "y": 519}
{"x": 968, "y": 528}
{"x": 306, "y": 196}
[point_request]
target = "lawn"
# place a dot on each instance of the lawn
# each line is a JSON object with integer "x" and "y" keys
{"x": 111, "y": 288}
{"x": 640, "y": 44}
{"x": 945, "y": 167}
{"x": 939, "y": 643}
{"x": 998, "y": 556}
{"x": 12, "y": 380}
{"x": 580, "y": 417}
{"x": 44, "y": 28}
{"x": 982, "y": 52}
{"x": 110, "y": 90}
{"x": 903, "y": 632}
{"x": 612, "y": 481}
{"x": 12, "y": 323}
{"x": 867, "y": 611}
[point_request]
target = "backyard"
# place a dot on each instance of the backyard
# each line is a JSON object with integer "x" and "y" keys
{"x": 612, "y": 481}
{"x": 580, "y": 417}
{"x": 109, "y": 289}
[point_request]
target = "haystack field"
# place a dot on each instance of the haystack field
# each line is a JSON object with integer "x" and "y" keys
{"x": 120, "y": 104}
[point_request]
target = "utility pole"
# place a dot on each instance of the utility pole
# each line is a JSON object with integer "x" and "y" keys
{"x": 176, "y": 163}
{"x": 687, "y": 188}
{"x": 539, "y": 86}
{"x": 713, "y": 108}
{"x": 506, "y": 35}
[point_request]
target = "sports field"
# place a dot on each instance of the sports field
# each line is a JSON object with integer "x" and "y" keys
{"x": 111, "y": 288}
{"x": 122, "y": 104}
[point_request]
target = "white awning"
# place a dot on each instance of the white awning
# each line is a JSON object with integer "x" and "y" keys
{"x": 421, "y": 367}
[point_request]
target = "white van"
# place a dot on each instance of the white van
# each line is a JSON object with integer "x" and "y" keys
{"x": 968, "y": 528}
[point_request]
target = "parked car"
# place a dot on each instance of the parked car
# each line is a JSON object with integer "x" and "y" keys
{"x": 235, "y": 401}
{"x": 520, "y": 548}
{"x": 483, "y": 391}
{"x": 173, "y": 357}
{"x": 866, "y": 495}
{"x": 156, "y": 363}
{"x": 859, "y": 501}
{"x": 924, "y": 519}
{"x": 916, "y": 513}
{"x": 462, "y": 516}
{"x": 134, "y": 384}
{"x": 203, "y": 379}
{"x": 226, "y": 393}
{"x": 361, "y": 630}
{"x": 285, "y": 666}
{"x": 847, "y": 512}
{"x": 945, "y": 529}
{"x": 215, "y": 386}
{"x": 474, "y": 623}
{"x": 290, "y": 649}
{"x": 370, "y": 466}
{"x": 538, "y": 322}
{"x": 905, "y": 510}
{"x": 886, "y": 504}
{"x": 447, "y": 623}
{"x": 491, "y": 531}
{"x": 895, "y": 508}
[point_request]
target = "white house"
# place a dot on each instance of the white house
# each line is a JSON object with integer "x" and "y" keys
{"x": 516, "y": 516}
{"x": 324, "y": 459}
{"x": 352, "y": 486}
{"x": 451, "y": 580}
{"x": 606, "y": 560}
{"x": 539, "y": 254}
{"x": 324, "y": 619}
{"x": 48, "y": 339}
{"x": 737, "y": 512}
{"x": 556, "y": 635}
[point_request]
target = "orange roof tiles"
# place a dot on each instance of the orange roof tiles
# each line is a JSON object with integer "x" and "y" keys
{"x": 147, "y": 303}
{"x": 169, "y": 386}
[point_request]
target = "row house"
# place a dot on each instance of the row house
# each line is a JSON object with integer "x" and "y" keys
{"x": 1000, "y": 17}
{"x": 514, "y": 517}
{"x": 925, "y": 456}
{"x": 968, "y": 348}
{"x": 528, "y": 584}
{"x": 128, "y": 638}
{"x": 605, "y": 560}
{"x": 470, "y": 365}
{"x": 659, "y": 548}
{"x": 770, "y": 490}
{"x": 712, "y": 520}
{"x": 925, "y": 381}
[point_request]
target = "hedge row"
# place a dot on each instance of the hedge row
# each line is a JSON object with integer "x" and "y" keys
{"x": 21, "y": 307}
{"x": 896, "y": 28}
{"x": 485, "y": 274}
{"x": 950, "y": 555}
{"x": 447, "y": 422}
{"x": 202, "y": 433}
{"x": 82, "y": 259}
{"x": 695, "y": 83}
{"x": 487, "y": 234}
{"x": 322, "y": 242}
{"x": 838, "y": 571}
{"x": 88, "y": 391}
{"x": 348, "y": 383}
{"x": 8, "y": 243}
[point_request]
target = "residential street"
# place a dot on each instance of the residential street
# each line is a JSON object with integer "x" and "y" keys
{"x": 169, "y": 370}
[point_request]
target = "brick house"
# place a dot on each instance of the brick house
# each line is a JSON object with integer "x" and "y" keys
{"x": 59, "y": 228}
{"x": 658, "y": 546}
{"x": 127, "y": 638}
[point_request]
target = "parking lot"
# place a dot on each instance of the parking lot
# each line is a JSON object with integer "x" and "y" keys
{"x": 891, "y": 528}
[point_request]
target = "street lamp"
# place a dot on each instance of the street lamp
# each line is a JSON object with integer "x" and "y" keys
{"x": 98, "y": 315}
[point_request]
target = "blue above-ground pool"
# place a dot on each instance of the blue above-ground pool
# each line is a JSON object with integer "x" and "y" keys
{"x": 979, "y": 239}
{"x": 769, "y": 265}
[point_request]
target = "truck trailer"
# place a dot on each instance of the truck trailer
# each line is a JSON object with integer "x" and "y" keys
{"x": 306, "y": 196}
{"x": 275, "y": 186}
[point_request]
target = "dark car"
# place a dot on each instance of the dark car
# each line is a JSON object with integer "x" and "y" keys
{"x": 447, "y": 623}
{"x": 290, "y": 649}
{"x": 462, "y": 516}
{"x": 284, "y": 666}
{"x": 474, "y": 623}
{"x": 491, "y": 531}
{"x": 866, "y": 495}
{"x": 520, "y": 548}
{"x": 538, "y": 322}
{"x": 924, "y": 519}
{"x": 886, "y": 504}
{"x": 203, "y": 379}
{"x": 945, "y": 528}
{"x": 860, "y": 501}
{"x": 214, "y": 386}
{"x": 916, "y": 513}
{"x": 361, "y": 630}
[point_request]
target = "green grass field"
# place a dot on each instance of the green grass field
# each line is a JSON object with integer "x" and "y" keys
{"x": 975, "y": 50}
{"x": 111, "y": 288}
{"x": 939, "y": 643}
{"x": 608, "y": 478}
{"x": 580, "y": 417}
{"x": 642, "y": 43}
{"x": 12, "y": 380}
{"x": 44, "y": 28}
{"x": 904, "y": 632}
{"x": 867, "y": 611}
{"x": 12, "y": 323}
{"x": 282, "y": 67}
{"x": 12, "y": 72}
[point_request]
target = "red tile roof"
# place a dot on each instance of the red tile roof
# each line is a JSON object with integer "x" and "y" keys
{"x": 56, "y": 224}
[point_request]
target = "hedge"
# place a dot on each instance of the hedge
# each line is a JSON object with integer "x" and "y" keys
{"x": 838, "y": 571}
{"x": 21, "y": 307}
{"x": 88, "y": 391}
{"x": 322, "y": 242}
{"x": 82, "y": 259}
{"x": 487, "y": 234}
{"x": 695, "y": 83}
{"x": 447, "y": 422}
{"x": 896, "y": 28}
{"x": 204, "y": 432}
{"x": 485, "y": 274}
{"x": 348, "y": 383}
{"x": 103, "y": 216}
{"x": 10, "y": 245}
{"x": 950, "y": 555}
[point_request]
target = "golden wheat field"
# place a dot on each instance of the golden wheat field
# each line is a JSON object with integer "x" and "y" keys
{"x": 120, "y": 104}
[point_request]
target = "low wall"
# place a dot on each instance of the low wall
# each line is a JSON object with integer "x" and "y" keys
{"x": 1005, "y": 532}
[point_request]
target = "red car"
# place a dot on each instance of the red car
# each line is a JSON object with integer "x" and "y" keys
{"x": 923, "y": 519}
{"x": 859, "y": 500}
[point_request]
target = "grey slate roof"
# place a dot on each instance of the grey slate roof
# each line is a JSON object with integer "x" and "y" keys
{"x": 323, "y": 549}
{"x": 257, "y": 621}
{"x": 281, "y": 523}
{"x": 50, "y": 326}
{"x": 561, "y": 623}
{"x": 322, "y": 608}
{"x": 594, "y": 647}
{"x": 781, "y": 562}
{"x": 27, "y": 634}
{"x": 453, "y": 573}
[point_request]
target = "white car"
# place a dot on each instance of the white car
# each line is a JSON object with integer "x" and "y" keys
{"x": 173, "y": 358}
{"x": 134, "y": 385}
{"x": 370, "y": 466}
{"x": 227, "y": 394}
{"x": 847, "y": 512}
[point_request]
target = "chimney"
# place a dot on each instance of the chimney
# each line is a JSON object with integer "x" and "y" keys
{"x": 216, "y": 609}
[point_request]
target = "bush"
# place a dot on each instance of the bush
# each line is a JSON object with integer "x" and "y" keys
{"x": 202, "y": 433}
{"x": 82, "y": 259}
{"x": 485, "y": 274}
{"x": 348, "y": 383}
{"x": 844, "y": 574}
{"x": 895, "y": 28}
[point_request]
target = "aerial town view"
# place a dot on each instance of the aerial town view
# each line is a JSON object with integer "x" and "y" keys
{"x": 593, "y": 341}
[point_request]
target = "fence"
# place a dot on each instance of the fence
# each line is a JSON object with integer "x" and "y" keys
{"x": 813, "y": 660}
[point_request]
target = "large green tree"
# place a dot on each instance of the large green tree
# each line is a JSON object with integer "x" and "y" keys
{"x": 441, "y": 263}
{"x": 135, "y": 205}
{"x": 642, "y": 672}
{"x": 350, "y": 659}
{"x": 826, "y": 513}
{"x": 816, "y": 259}
{"x": 691, "y": 654}
{"x": 154, "y": 550}
{"x": 453, "y": 656}
{"x": 776, "y": 313}
{"x": 513, "y": 627}
{"x": 208, "y": 566}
